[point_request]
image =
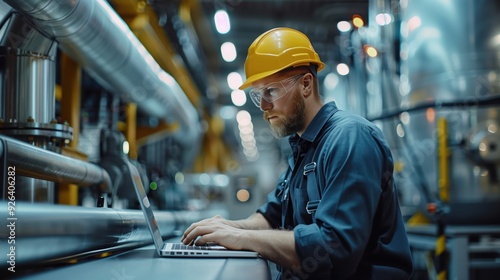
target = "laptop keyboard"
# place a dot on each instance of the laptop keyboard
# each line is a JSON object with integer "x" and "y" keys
{"x": 180, "y": 246}
{"x": 181, "y": 249}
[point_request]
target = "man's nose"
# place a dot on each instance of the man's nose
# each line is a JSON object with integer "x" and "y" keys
{"x": 264, "y": 105}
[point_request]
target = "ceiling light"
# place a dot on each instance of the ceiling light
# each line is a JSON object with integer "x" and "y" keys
{"x": 222, "y": 23}
{"x": 383, "y": 19}
{"x": 342, "y": 69}
{"x": 357, "y": 21}
{"x": 243, "y": 117}
{"x": 228, "y": 51}
{"x": 370, "y": 51}
{"x": 125, "y": 147}
{"x": 344, "y": 26}
{"x": 238, "y": 97}
{"x": 234, "y": 80}
{"x": 414, "y": 23}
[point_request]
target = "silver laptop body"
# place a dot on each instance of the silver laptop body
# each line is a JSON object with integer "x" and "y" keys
{"x": 178, "y": 249}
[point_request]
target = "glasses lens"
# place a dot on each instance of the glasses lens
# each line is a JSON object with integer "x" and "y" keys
{"x": 273, "y": 91}
{"x": 256, "y": 97}
{"x": 269, "y": 93}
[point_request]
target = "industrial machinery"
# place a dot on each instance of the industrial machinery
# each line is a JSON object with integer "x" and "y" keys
{"x": 33, "y": 31}
{"x": 428, "y": 73}
{"x": 45, "y": 154}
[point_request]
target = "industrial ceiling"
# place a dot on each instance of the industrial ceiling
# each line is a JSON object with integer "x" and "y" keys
{"x": 249, "y": 18}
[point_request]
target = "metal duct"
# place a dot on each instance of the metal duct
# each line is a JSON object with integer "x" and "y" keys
{"x": 97, "y": 38}
{"x": 35, "y": 162}
{"x": 44, "y": 233}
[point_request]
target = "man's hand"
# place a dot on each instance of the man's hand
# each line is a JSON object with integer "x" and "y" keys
{"x": 217, "y": 230}
{"x": 253, "y": 233}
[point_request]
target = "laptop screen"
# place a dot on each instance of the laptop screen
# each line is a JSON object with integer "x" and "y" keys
{"x": 211, "y": 251}
{"x": 146, "y": 207}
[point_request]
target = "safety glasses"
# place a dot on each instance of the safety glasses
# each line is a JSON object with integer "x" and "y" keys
{"x": 273, "y": 91}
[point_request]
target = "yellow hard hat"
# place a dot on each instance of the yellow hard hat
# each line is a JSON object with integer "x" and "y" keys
{"x": 278, "y": 49}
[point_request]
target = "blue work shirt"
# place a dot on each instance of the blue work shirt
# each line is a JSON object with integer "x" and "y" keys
{"x": 357, "y": 231}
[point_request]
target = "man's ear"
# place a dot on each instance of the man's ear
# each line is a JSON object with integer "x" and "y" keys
{"x": 307, "y": 84}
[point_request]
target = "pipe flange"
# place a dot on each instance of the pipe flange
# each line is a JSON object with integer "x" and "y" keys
{"x": 54, "y": 131}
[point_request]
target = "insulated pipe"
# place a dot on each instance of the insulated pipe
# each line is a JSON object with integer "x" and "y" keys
{"x": 46, "y": 233}
{"x": 34, "y": 162}
{"x": 96, "y": 37}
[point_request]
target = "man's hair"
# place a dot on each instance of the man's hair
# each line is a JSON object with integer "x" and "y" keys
{"x": 306, "y": 68}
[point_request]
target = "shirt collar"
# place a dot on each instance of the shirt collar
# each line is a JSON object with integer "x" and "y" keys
{"x": 314, "y": 127}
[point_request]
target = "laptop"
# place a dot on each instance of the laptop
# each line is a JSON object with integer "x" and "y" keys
{"x": 178, "y": 249}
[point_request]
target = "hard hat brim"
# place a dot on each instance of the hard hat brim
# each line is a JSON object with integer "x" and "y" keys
{"x": 262, "y": 75}
{"x": 255, "y": 78}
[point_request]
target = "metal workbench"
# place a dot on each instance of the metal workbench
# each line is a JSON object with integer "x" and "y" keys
{"x": 144, "y": 263}
{"x": 70, "y": 242}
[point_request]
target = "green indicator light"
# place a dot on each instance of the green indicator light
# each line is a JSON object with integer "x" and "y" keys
{"x": 153, "y": 186}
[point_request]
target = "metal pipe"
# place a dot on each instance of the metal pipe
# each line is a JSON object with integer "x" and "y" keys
{"x": 96, "y": 37}
{"x": 35, "y": 162}
{"x": 44, "y": 232}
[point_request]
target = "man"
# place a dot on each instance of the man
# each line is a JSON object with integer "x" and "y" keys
{"x": 334, "y": 213}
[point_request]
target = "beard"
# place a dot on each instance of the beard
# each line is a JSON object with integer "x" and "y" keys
{"x": 292, "y": 123}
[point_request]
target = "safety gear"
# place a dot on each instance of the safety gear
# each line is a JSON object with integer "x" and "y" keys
{"x": 276, "y": 50}
{"x": 273, "y": 91}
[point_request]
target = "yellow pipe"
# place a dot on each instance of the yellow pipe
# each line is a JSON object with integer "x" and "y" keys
{"x": 141, "y": 135}
{"x": 152, "y": 36}
{"x": 440, "y": 245}
{"x": 143, "y": 22}
{"x": 58, "y": 92}
{"x": 193, "y": 17}
{"x": 130, "y": 131}
{"x": 443, "y": 155}
{"x": 70, "y": 89}
{"x": 150, "y": 134}
{"x": 444, "y": 196}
